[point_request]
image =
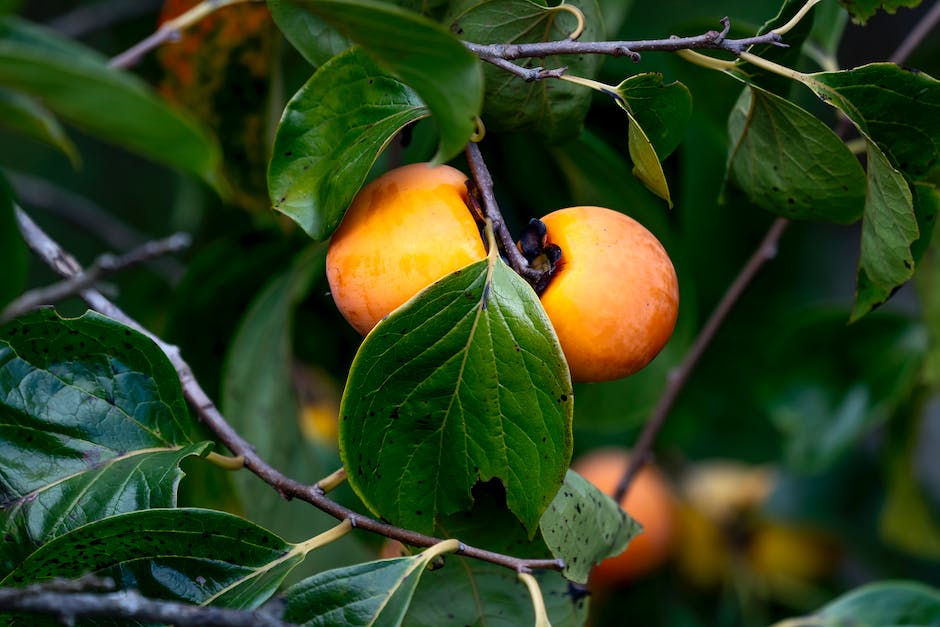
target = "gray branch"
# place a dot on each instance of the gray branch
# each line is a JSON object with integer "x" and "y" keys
{"x": 103, "y": 266}
{"x": 71, "y": 600}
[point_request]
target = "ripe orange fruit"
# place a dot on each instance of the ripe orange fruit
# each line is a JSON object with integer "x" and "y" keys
{"x": 613, "y": 297}
{"x": 650, "y": 501}
{"x": 403, "y": 231}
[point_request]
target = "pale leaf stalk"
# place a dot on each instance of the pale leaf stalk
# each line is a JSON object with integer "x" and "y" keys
{"x": 225, "y": 462}
{"x": 796, "y": 18}
{"x": 332, "y": 481}
{"x": 705, "y": 61}
{"x": 538, "y": 602}
{"x": 782, "y": 70}
{"x": 330, "y": 535}
{"x": 578, "y": 15}
{"x": 451, "y": 545}
{"x": 587, "y": 82}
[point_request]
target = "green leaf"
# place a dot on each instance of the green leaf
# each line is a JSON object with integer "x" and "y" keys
{"x": 554, "y": 110}
{"x": 662, "y": 110}
{"x": 788, "y": 162}
{"x": 373, "y": 593}
{"x": 14, "y": 257}
{"x": 464, "y": 383}
{"x": 498, "y": 598}
{"x": 861, "y": 10}
{"x": 312, "y": 37}
{"x": 424, "y": 55}
{"x": 21, "y": 113}
{"x": 888, "y": 231}
{"x": 92, "y": 422}
{"x": 896, "y": 108}
{"x": 200, "y": 556}
{"x": 646, "y": 166}
{"x": 77, "y": 84}
{"x": 331, "y": 133}
{"x": 879, "y": 604}
{"x": 583, "y": 526}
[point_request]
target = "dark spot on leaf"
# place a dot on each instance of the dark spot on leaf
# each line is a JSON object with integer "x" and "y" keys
{"x": 288, "y": 153}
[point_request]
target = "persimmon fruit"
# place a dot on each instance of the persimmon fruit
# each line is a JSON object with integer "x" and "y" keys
{"x": 613, "y": 295}
{"x": 650, "y": 501}
{"x": 403, "y": 231}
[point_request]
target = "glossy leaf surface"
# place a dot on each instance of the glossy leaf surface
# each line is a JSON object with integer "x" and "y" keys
{"x": 422, "y": 54}
{"x": 462, "y": 384}
{"x": 345, "y": 114}
{"x": 93, "y": 423}
{"x": 200, "y": 556}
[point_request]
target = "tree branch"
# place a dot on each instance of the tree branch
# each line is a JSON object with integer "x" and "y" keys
{"x": 171, "y": 30}
{"x": 63, "y": 263}
{"x": 711, "y": 40}
{"x": 71, "y": 600}
{"x": 766, "y": 251}
{"x": 103, "y": 266}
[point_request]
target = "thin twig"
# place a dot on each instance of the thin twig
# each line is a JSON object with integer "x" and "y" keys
{"x": 507, "y": 245}
{"x": 171, "y": 30}
{"x": 63, "y": 263}
{"x": 90, "y": 217}
{"x": 102, "y": 267}
{"x": 68, "y": 604}
{"x": 680, "y": 374}
{"x": 711, "y": 40}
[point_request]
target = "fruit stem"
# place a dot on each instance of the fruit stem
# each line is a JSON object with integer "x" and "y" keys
{"x": 507, "y": 246}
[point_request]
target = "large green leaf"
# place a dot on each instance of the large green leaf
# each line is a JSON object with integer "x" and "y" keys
{"x": 374, "y": 593}
{"x": 77, "y": 84}
{"x": 788, "y": 162}
{"x": 195, "y": 555}
{"x": 584, "y": 526}
{"x": 471, "y": 592}
{"x": 895, "y": 107}
{"x": 331, "y": 133}
{"x": 861, "y": 10}
{"x": 553, "y": 109}
{"x": 21, "y": 113}
{"x": 464, "y": 383}
{"x": 312, "y": 37}
{"x": 14, "y": 258}
{"x": 92, "y": 423}
{"x": 880, "y": 604}
{"x": 424, "y": 55}
{"x": 888, "y": 231}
